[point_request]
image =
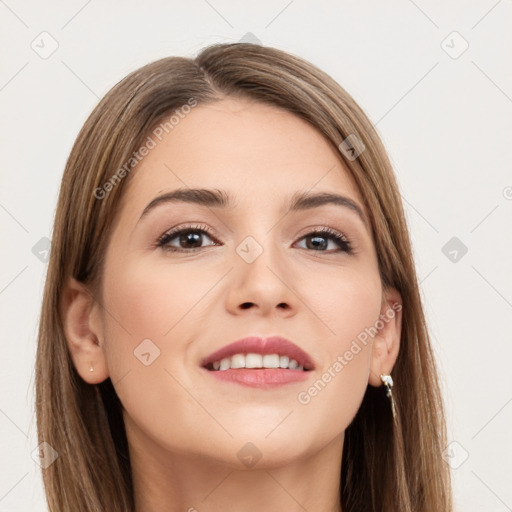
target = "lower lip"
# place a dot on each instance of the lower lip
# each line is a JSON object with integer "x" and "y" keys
{"x": 260, "y": 377}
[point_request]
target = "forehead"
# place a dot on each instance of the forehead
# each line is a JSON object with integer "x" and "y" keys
{"x": 256, "y": 152}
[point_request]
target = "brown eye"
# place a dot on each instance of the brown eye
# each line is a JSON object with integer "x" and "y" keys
{"x": 185, "y": 239}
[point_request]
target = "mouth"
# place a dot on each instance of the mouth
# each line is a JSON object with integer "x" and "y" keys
{"x": 258, "y": 362}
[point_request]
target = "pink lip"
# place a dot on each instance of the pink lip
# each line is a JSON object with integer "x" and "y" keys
{"x": 260, "y": 377}
{"x": 256, "y": 345}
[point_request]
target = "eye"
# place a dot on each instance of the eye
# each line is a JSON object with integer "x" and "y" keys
{"x": 190, "y": 238}
{"x": 184, "y": 239}
{"x": 318, "y": 241}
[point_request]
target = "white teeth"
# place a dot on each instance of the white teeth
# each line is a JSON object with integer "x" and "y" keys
{"x": 238, "y": 361}
{"x": 253, "y": 361}
{"x": 257, "y": 361}
{"x": 271, "y": 361}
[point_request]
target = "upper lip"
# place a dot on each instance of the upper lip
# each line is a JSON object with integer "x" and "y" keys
{"x": 258, "y": 345}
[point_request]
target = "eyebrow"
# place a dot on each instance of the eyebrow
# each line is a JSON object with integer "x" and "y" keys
{"x": 216, "y": 198}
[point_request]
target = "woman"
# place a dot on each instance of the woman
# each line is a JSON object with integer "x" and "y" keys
{"x": 231, "y": 317}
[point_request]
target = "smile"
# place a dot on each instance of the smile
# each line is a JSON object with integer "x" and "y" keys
{"x": 269, "y": 361}
{"x": 259, "y": 362}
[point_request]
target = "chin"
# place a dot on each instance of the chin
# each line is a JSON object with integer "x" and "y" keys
{"x": 260, "y": 452}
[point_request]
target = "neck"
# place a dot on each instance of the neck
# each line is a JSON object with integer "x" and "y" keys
{"x": 170, "y": 481}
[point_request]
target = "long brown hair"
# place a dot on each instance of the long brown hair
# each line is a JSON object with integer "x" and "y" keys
{"x": 387, "y": 465}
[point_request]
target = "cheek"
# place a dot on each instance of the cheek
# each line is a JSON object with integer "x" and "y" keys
{"x": 345, "y": 302}
{"x": 151, "y": 311}
{"x": 347, "y": 305}
{"x": 149, "y": 301}
{"x": 147, "y": 316}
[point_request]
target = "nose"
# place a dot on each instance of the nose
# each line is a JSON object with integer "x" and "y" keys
{"x": 264, "y": 287}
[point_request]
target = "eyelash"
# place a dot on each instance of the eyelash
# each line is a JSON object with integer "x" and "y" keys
{"x": 342, "y": 241}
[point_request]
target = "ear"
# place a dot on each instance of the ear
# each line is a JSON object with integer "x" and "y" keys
{"x": 84, "y": 331}
{"x": 386, "y": 342}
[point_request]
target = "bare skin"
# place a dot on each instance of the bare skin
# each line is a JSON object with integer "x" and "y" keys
{"x": 185, "y": 428}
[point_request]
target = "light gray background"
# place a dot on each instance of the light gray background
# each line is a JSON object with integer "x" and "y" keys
{"x": 444, "y": 116}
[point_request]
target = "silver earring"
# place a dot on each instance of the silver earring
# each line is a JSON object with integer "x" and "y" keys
{"x": 388, "y": 382}
{"x": 91, "y": 369}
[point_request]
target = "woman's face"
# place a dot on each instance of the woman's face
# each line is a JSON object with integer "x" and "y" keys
{"x": 250, "y": 269}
